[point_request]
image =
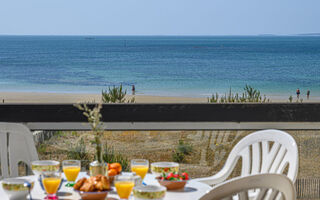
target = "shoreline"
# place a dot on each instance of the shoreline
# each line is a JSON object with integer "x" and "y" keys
{"x": 48, "y": 97}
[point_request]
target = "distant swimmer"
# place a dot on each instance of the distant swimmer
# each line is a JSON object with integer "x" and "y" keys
{"x": 308, "y": 94}
{"x": 133, "y": 90}
{"x": 298, "y": 93}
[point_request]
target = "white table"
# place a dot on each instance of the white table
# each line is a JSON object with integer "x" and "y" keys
{"x": 193, "y": 190}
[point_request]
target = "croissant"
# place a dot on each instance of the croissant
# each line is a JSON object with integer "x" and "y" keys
{"x": 98, "y": 177}
{"x": 98, "y": 186}
{"x": 94, "y": 183}
{"x": 79, "y": 183}
{"x": 105, "y": 183}
{"x": 92, "y": 179}
{"x": 87, "y": 187}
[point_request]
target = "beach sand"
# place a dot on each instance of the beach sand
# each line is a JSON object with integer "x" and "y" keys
{"x": 42, "y": 97}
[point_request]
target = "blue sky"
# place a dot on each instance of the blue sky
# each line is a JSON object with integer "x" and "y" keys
{"x": 159, "y": 17}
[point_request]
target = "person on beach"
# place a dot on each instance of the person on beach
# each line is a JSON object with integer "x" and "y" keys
{"x": 308, "y": 94}
{"x": 298, "y": 93}
{"x": 133, "y": 90}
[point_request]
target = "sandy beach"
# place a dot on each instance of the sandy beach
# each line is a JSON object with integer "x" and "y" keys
{"x": 39, "y": 97}
{"x": 42, "y": 97}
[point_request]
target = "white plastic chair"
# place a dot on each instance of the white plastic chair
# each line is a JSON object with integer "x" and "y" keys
{"x": 267, "y": 186}
{"x": 16, "y": 141}
{"x": 258, "y": 156}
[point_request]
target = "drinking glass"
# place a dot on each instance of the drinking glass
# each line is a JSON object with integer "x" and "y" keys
{"x": 44, "y": 166}
{"x": 51, "y": 183}
{"x": 71, "y": 169}
{"x": 124, "y": 185}
{"x": 140, "y": 167}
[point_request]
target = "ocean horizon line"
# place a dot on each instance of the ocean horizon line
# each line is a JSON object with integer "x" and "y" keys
{"x": 170, "y": 35}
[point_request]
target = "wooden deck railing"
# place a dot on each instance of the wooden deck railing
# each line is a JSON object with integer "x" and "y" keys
{"x": 168, "y": 116}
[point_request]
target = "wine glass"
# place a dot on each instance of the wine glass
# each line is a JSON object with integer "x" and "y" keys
{"x": 140, "y": 167}
{"x": 124, "y": 185}
{"x": 71, "y": 169}
{"x": 51, "y": 183}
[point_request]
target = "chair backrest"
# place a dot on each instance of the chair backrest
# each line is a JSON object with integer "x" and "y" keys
{"x": 16, "y": 145}
{"x": 266, "y": 151}
{"x": 266, "y": 186}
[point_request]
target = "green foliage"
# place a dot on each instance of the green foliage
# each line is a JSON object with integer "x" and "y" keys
{"x": 181, "y": 151}
{"x": 79, "y": 152}
{"x": 213, "y": 98}
{"x": 250, "y": 94}
{"x": 184, "y": 148}
{"x": 60, "y": 134}
{"x": 178, "y": 157}
{"x": 110, "y": 156}
{"x": 74, "y": 133}
{"x": 42, "y": 148}
{"x": 115, "y": 95}
{"x": 290, "y": 99}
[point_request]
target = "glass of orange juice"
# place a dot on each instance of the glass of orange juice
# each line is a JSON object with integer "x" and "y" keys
{"x": 124, "y": 185}
{"x": 71, "y": 169}
{"x": 140, "y": 167}
{"x": 51, "y": 183}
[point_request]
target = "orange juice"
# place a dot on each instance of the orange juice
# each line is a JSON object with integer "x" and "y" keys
{"x": 71, "y": 173}
{"x": 124, "y": 188}
{"x": 140, "y": 170}
{"x": 51, "y": 185}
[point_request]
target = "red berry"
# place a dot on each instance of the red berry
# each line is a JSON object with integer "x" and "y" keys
{"x": 170, "y": 175}
{"x": 176, "y": 175}
{"x": 185, "y": 176}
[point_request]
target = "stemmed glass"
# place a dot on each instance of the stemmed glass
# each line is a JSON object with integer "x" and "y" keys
{"x": 51, "y": 183}
{"x": 124, "y": 185}
{"x": 140, "y": 167}
{"x": 71, "y": 169}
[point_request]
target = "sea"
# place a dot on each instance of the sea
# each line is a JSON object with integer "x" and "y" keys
{"x": 187, "y": 66}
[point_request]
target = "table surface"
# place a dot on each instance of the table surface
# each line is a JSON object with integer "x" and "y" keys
{"x": 193, "y": 190}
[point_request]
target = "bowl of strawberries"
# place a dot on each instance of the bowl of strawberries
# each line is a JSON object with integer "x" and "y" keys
{"x": 173, "y": 181}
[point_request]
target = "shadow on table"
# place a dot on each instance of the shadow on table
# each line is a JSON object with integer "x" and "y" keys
{"x": 64, "y": 194}
{"x": 113, "y": 192}
{"x": 186, "y": 189}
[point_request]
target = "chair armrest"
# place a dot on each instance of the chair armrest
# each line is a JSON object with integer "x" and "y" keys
{"x": 220, "y": 177}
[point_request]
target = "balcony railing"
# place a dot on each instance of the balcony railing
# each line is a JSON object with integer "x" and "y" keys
{"x": 168, "y": 116}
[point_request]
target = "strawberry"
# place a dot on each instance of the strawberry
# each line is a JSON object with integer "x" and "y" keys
{"x": 169, "y": 176}
{"x": 185, "y": 176}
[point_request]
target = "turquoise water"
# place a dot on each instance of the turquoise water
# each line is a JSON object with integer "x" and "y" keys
{"x": 172, "y": 66}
